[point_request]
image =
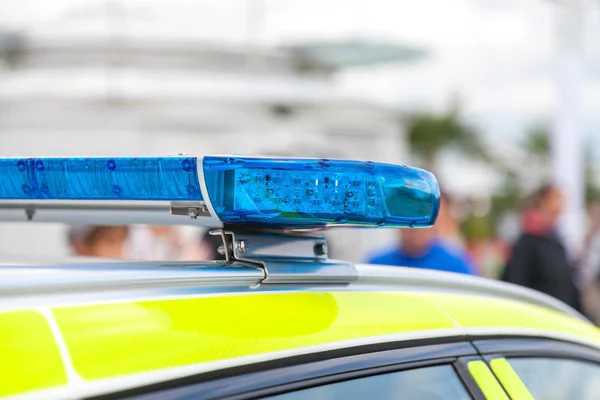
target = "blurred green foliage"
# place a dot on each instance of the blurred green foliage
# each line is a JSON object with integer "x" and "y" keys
{"x": 431, "y": 133}
{"x": 477, "y": 227}
{"x": 537, "y": 142}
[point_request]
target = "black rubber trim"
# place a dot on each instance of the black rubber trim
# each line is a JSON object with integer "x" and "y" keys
{"x": 460, "y": 365}
{"x": 535, "y": 347}
{"x": 317, "y": 373}
{"x": 489, "y": 357}
{"x": 332, "y": 365}
{"x": 325, "y": 380}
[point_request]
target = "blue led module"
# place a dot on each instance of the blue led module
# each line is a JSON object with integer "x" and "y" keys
{"x": 166, "y": 179}
{"x": 309, "y": 192}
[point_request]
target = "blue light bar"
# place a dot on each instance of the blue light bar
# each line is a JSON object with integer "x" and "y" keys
{"x": 167, "y": 179}
{"x": 310, "y": 192}
{"x": 270, "y": 192}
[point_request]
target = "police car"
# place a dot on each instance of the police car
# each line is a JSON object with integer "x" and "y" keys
{"x": 277, "y": 319}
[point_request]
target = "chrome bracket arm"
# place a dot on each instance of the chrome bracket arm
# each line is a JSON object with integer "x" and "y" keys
{"x": 286, "y": 257}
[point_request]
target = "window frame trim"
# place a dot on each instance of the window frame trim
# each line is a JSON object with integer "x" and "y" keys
{"x": 300, "y": 372}
{"x": 535, "y": 347}
{"x": 462, "y": 368}
{"x": 365, "y": 373}
{"x": 527, "y": 348}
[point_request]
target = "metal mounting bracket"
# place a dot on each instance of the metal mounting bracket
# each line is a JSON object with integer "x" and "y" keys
{"x": 191, "y": 209}
{"x": 286, "y": 258}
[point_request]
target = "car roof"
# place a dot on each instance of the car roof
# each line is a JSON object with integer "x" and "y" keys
{"x": 201, "y": 316}
{"x": 30, "y": 281}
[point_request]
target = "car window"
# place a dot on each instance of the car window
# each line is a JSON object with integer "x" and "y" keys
{"x": 431, "y": 383}
{"x": 558, "y": 379}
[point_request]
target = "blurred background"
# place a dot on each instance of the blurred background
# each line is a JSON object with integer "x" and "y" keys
{"x": 495, "y": 96}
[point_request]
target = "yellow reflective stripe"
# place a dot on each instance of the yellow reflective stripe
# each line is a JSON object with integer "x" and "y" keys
{"x": 117, "y": 339}
{"x": 472, "y": 312}
{"x": 514, "y": 386}
{"x": 30, "y": 358}
{"x": 486, "y": 381}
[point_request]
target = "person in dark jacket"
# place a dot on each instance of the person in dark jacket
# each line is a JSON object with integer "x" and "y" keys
{"x": 539, "y": 259}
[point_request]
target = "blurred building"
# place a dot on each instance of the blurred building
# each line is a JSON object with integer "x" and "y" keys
{"x": 76, "y": 88}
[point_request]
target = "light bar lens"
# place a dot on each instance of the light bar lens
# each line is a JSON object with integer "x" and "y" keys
{"x": 309, "y": 192}
{"x": 167, "y": 179}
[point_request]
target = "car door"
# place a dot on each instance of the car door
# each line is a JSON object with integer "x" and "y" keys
{"x": 543, "y": 369}
{"x": 427, "y": 371}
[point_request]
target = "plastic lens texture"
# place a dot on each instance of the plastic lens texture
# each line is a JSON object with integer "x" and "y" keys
{"x": 169, "y": 178}
{"x": 308, "y": 192}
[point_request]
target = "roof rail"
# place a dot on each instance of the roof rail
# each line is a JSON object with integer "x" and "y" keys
{"x": 459, "y": 283}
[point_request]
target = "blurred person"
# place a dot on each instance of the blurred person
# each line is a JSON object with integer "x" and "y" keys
{"x": 447, "y": 223}
{"x": 539, "y": 259}
{"x": 589, "y": 266}
{"x": 206, "y": 249}
{"x": 98, "y": 241}
{"x": 154, "y": 243}
{"x": 423, "y": 248}
{"x": 590, "y": 255}
{"x": 489, "y": 255}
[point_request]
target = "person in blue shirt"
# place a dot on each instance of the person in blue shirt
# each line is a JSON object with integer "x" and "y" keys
{"x": 421, "y": 248}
